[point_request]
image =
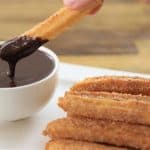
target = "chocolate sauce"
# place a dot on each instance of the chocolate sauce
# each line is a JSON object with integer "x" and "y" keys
{"x": 17, "y": 48}
{"x": 28, "y": 70}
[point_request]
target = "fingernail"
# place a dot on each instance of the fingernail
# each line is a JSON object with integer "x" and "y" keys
{"x": 76, "y": 4}
{"x": 70, "y": 3}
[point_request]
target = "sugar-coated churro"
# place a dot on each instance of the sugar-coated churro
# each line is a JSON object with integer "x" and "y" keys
{"x": 104, "y": 131}
{"x": 78, "y": 145}
{"x": 104, "y": 105}
{"x": 128, "y": 85}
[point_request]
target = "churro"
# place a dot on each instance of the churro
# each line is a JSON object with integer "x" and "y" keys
{"x": 128, "y": 85}
{"x": 78, "y": 145}
{"x": 104, "y": 105}
{"x": 104, "y": 131}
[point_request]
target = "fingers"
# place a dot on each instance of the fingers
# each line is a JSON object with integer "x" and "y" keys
{"x": 79, "y": 4}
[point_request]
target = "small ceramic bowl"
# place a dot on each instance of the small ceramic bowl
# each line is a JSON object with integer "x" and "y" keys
{"x": 24, "y": 101}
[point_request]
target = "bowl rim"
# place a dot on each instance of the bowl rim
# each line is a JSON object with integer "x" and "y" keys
{"x": 56, "y": 65}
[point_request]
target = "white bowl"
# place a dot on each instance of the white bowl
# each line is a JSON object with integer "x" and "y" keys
{"x": 24, "y": 101}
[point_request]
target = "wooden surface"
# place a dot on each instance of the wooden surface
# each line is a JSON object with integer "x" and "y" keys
{"x": 118, "y": 37}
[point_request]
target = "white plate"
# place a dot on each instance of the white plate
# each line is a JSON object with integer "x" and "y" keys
{"x": 27, "y": 134}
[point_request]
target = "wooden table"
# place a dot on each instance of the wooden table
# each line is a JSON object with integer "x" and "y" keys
{"x": 118, "y": 37}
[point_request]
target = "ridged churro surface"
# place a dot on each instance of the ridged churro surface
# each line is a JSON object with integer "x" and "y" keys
{"x": 128, "y": 85}
{"x": 104, "y": 105}
{"x": 116, "y": 133}
{"x": 78, "y": 145}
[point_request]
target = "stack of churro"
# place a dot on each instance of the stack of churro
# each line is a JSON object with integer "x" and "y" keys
{"x": 103, "y": 113}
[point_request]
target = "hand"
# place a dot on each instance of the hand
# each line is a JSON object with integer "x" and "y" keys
{"x": 78, "y": 4}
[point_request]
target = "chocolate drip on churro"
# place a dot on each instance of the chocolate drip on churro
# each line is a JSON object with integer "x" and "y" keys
{"x": 17, "y": 48}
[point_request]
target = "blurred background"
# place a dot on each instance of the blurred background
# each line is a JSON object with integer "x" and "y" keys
{"x": 118, "y": 37}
